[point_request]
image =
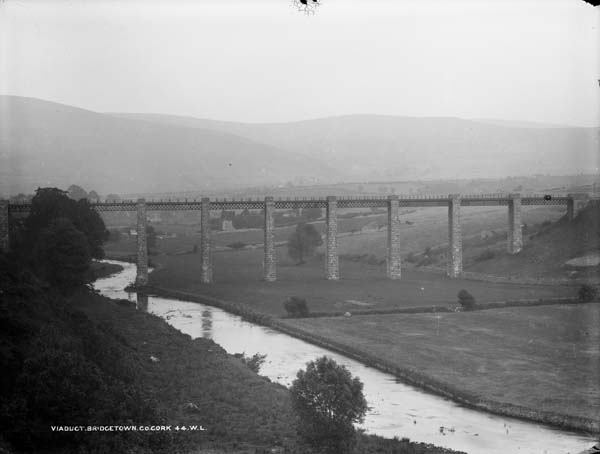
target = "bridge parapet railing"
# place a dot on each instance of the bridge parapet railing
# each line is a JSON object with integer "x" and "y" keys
{"x": 409, "y": 200}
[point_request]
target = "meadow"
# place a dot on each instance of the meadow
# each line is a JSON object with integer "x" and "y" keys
{"x": 238, "y": 277}
{"x": 545, "y": 358}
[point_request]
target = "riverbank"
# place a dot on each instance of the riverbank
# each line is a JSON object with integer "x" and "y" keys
{"x": 99, "y": 270}
{"x": 197, "y": 382}
{"x": 349, "y": 337}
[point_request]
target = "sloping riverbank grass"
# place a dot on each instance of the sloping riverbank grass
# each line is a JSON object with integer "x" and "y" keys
{"x": 195, "y": 382}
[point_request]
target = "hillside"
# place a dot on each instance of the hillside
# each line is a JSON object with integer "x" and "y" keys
{"x": 49, "y": 144}
{"x": 544, "y": 253}
{"x": 377, "y": 147}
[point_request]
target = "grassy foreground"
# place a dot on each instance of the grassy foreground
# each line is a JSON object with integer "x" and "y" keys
{"x": 102, "y": 362}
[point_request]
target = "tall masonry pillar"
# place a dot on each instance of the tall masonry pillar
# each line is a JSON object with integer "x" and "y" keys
{"x": 393, "y": 239}
{"x": 205, "y": 252}
{"x": 269, "y": 262}
{"x": 331, "y": 259}
{"x": 141, "y": 276}
{"x": 575, "y": 204}
{"x": 515, "y": 235}
{"x": 4, "y": 236}
{"x": 570, "y": 208}
{"x": 454, "y": 237}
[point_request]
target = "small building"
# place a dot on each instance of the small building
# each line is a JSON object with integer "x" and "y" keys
{"x": 227, "y": 221}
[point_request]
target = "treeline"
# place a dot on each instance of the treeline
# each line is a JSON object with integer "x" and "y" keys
{"x": 58, "y": 366}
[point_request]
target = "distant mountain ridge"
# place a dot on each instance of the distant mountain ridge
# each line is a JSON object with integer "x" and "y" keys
{"x": 50, "y": 144}
{"x": 44, "y": 143}
{"x": 372, "y": 147}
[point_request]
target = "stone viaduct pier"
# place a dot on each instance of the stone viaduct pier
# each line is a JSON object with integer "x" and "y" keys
{"x": 453, "y": 202}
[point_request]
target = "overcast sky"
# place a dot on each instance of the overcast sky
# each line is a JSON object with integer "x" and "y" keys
{"x": 262, "y": 60}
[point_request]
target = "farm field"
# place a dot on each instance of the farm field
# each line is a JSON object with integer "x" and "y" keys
{"x": 238, "y": 274}
{"x": 546, "y": 358}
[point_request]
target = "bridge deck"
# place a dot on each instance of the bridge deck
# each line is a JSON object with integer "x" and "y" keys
{"x": 292, "y": 203}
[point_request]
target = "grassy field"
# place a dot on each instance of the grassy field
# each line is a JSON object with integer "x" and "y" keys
{"x": 547, "y": 358}
{"x": 237, "y": 276}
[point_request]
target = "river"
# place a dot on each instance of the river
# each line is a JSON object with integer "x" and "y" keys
{"x": 396, "y": 409}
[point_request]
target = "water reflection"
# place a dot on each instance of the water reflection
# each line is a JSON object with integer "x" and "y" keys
{"x": 207, "y": 324}
{"x": 142, "y": 302}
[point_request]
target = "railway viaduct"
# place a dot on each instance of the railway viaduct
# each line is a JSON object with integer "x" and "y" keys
{"x": 453, "y": 202}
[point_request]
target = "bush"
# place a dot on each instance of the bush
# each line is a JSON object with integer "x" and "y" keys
{"x": 466, "y": 300}
{"x": 237, "y": 245}
{"x": 303, "y": 242}
{"x": 296, "y": 307}
{"x": 411, "y": 258}
{"x": 425, "y": 261}
{"x": 587, "y": 293}
{"x": 328, "y": 401}
{"x": 253, "y": 362}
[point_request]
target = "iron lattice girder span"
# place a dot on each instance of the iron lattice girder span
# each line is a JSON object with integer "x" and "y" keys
{"x": 342, "y": 202}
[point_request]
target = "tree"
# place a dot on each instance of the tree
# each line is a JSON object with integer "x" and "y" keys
{"x": 328, "y": 401}
{"x": 50, "y": 204}
{"x": 296, "y": 307}
{"x": 587, "y": 293}
{"x": 77, "y": 192}
{"x": 93, "y": 196}
{"x": 303, "y": 242}
{"x": 61, "y": 254}
{"x": 466, "y": 300}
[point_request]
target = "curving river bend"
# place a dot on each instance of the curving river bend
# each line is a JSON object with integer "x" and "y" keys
{"x": 397, "y": 409}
